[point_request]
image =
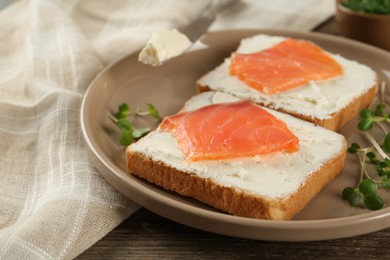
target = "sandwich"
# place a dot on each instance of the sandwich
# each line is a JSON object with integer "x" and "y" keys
{"x": 296, "y": 77}
{"x": 239, "y": 157}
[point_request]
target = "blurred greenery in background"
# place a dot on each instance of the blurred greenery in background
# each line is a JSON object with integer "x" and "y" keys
{"x": 369, "y": 6}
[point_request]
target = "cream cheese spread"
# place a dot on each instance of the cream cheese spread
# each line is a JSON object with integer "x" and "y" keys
{"x": 273, "y": 176}
{"x": 164, "y": 45}
{"x": 318, "y": 99}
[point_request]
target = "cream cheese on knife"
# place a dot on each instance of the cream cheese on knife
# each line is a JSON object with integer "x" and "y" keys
{"x": 164, "y": 45}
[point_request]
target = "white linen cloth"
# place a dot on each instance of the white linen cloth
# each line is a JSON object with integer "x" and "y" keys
{"x": 53, "y": 203}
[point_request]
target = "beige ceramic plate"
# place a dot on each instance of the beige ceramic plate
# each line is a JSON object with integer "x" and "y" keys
{"x": 168, "y": 87}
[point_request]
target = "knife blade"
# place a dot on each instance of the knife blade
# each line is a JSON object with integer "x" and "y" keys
{"x": 200, "y": 25}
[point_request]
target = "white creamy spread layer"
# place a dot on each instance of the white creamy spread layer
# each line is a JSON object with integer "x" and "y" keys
{"x": 319, "y": 99}
{"x": 164, "y": 45}
{"x": 274, "y": 175}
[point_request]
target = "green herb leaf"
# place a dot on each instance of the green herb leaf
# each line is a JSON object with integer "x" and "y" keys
{"x": 123, "y": 111}
{"x": 153, "y": 111}
{"x": 123, "y": 123}
{"x": 354, "y": 148}
{"x": 372, "y": 157}
{"x": 355, "y": 199}
{"x": 373, "y": 201}
{"x": 347, "y": 192}
{"x": 385, "y": 182}
{"x": 367, "y": 114}
{"x": 368, "y": 186}
{"x": 380, "y": 110}
{"x": 366, "y": 120}
{"x": 126, "y": 137}
{"x": 365, "y": 124}
{"x": 383, "y": 168}
{"x": 353, "y": 196}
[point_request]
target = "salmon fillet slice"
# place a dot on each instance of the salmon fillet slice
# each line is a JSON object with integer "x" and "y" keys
{"x": 229, "y": 130}
{"x": 285, "y": 66}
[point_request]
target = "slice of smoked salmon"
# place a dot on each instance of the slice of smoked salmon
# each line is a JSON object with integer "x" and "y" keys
{"x": 285, "y": 66}
{"x": 229, "y": 130}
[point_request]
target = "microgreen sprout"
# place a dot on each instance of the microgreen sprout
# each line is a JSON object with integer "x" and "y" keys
{"x": 365, "y": 194}
{"x": 151, "y": 110}
{"x": 129, "y": 133}
{"x": 123, "y": 111}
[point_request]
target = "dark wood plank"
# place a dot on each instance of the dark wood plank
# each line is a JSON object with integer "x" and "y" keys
{"x": 329, "y": 27}
{"x": 147, "y": 235}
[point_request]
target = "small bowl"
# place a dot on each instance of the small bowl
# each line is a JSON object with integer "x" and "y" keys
{"x": 369, "y": 28}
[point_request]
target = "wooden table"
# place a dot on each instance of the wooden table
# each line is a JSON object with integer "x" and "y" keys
{"x": 145, "y": 235}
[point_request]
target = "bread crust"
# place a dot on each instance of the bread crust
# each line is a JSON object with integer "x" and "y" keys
{"x": 337, "y": 119}
{"x": 231, "y": 200}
